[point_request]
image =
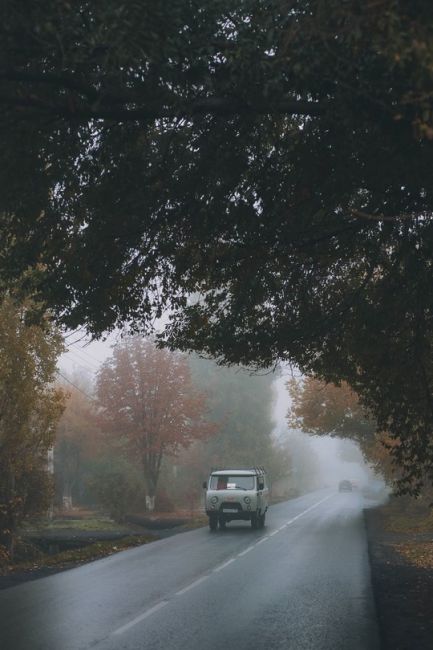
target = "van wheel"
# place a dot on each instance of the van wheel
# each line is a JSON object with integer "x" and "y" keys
{"x": 262, "y": 520}
{"x": 222, "y": 522}
{"x": 254, "y": 520}
{"x": 213, "y": 522}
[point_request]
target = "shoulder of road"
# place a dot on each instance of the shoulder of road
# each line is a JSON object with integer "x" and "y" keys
{"x": 400, "y": 541}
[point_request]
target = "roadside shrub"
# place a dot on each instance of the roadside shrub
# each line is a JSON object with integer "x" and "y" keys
{"x": 25, "y": 551}
{"x": 5, "y": 559}
{"x": 114, "y": 494}
{"x": 117, "y": 488}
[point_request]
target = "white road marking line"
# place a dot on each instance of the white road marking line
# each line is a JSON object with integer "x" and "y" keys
{"x": 273, "y": 533}
{"x": 192, "y": 585}
{"x": 307, "y": 510}
{"x": 247, "y": 550}
{"x": 142, "y": 616}
{"x": 223, "y": 566}
{"x": 261, "y": 540}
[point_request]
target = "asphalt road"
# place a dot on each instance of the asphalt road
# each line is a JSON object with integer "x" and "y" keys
{"x": 303, "y": 582}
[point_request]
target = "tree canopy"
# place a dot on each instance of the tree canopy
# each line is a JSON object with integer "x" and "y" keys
{"x": 270, "y": 157}
{"x": 328, "y": 409}
{"x": 240, "y": 403}
{"x": 331, "y": 410}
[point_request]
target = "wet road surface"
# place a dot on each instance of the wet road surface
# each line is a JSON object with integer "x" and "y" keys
{"x": 303, "y": 582}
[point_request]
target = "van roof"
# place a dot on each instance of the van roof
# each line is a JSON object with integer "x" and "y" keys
{"x": 237, "y": 472}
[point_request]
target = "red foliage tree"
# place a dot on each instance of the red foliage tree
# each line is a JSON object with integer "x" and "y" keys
{"x": 150, "y": 406}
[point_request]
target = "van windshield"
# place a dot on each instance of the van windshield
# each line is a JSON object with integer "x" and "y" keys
{"x": 232, "y": 482}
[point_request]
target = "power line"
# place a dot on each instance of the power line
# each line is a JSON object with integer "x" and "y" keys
{"x": 81, "y": 359}
{"x": 77, "y": 387}
{"x": 83, "y": 351}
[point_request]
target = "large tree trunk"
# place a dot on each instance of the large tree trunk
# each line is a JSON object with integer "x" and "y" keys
{"x": 152, "y": 467}
{"x": 151, "y": 483}
{"x": 67, "y": 495}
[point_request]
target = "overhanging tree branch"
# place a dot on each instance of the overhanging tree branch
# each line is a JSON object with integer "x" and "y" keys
{"x": 73, "y": 108}
{"x": 382, "y": 217}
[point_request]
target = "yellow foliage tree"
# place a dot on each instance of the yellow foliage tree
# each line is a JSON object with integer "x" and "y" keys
{"x": 30, "y": 406}
{"x": 328, "y": 409}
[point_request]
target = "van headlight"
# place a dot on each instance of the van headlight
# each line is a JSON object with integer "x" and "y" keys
{"x": 247, "y": 499}
{"x": 214, "y": 500}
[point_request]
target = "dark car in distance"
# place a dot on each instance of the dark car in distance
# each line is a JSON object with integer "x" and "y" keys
{"x": 345, "y": 486}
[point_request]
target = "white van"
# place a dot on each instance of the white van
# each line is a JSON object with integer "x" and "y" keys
{"x": 234, "y": 493}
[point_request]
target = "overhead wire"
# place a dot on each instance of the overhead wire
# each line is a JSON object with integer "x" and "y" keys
{"x": 90, "y": 364}
{"x": 85, "y": 352}
{"x": 76, "y": 387}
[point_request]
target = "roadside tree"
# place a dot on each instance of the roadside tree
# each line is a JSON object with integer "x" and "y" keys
{"x": 335, "y": 410}
{"x": 30, "y": 407}
{"x": 241, "y": 403}
{"x": 78, "y": 441}
{"x": 321, "y": 408}
{"x": 151, "y": 408}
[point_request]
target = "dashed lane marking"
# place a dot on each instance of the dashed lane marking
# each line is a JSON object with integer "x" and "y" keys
{"x": 247, "y": 550}
{"x": 223, "y": 566}
{"x": 140, "y": 618}
{"x": 304, "y": 512}
{"x": 192, "y": 585}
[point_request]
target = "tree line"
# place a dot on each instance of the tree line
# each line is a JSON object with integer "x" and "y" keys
{"x": 147, "y": 430}
{"x": 156, "y": 424}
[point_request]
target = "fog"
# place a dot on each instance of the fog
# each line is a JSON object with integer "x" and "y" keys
{"x": 315, "y": 461}
{"x": 333, "y": 459}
